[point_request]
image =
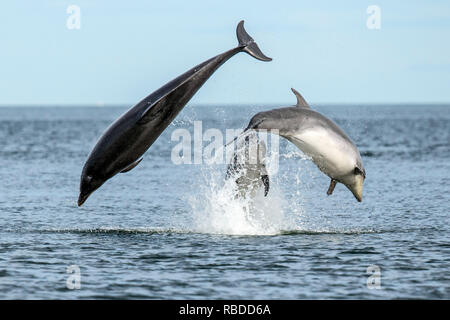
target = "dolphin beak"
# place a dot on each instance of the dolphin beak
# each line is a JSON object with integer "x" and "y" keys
{"x": 357, "y": 187}
{"x": 358, "y": 196}
{"x": 82, "y": 198}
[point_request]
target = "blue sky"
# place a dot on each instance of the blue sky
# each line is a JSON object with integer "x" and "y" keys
{"x": 127, "y": 49}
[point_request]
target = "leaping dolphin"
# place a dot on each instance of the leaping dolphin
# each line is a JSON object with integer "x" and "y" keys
{"x": 122, "y": 145}
{"x": 318, "y": 137}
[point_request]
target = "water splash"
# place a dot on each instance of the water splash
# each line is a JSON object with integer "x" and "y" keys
{"x": 217, "y": 210}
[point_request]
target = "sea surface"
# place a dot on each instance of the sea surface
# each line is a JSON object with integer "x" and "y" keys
{"x": 166, "y": 230}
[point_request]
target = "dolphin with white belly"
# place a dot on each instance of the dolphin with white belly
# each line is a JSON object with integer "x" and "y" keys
{"x": 329, "y": 147}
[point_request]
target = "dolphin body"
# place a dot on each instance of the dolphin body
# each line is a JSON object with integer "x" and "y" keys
{"x": 329, "y": 147}
{"x": 248, "y": 166}
{"x": 122, "y": 145}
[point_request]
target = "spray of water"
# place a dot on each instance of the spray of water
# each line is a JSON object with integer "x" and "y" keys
{"x": 217, "y": 209}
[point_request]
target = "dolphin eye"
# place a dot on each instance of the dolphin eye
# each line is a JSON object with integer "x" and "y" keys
{"x": 357, "y": 171}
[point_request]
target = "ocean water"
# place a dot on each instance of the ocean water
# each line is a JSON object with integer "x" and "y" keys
{"x": 175, "y": 231}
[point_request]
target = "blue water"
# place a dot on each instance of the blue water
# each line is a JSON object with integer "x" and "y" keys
{"x": 167, "y": 231}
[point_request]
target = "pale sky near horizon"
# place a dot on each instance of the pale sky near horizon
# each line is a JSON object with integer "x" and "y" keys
{"x": 125, "y": 50}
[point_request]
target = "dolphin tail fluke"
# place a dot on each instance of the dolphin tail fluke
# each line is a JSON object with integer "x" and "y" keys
{"x": 249, "y": 45}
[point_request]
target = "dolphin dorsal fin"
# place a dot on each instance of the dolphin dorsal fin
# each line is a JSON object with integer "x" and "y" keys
{"x": 301, "y": 102}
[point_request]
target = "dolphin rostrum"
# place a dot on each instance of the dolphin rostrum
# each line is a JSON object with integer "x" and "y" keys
{"x": 318, "y": 137}
{"x": 122, "y": 145}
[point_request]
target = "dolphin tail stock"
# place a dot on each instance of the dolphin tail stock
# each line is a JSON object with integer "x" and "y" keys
{"x": 248, "y": 44}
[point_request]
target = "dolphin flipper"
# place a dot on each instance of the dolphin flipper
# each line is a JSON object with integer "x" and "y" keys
{"x": 331, "y": 187}
{"x": 301, "y": 102}
{"x": 249, "y": 44}
{"x": 131, "y": 166}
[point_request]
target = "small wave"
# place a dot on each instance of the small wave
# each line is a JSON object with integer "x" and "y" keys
{"x": 238, "y": 230}
{"x": 115, "y": 230}
{"x": 337, "y": 232}
{"x": 371, "y": 154}
{"x": 4, "y": 273}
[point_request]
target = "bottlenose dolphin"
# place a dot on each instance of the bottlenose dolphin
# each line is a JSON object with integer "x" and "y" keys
{"x": 122, "y": 145}
{"x": 248, "y": 166}
{"x": 329, "y": 147}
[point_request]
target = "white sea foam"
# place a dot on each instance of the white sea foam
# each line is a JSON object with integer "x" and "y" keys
{"x": 217, "y": 210}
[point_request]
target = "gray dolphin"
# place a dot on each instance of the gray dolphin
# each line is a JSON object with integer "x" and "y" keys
{"x": 320, "y": 138}
{"x": 248, "y": 166}
{"x": 122, "y": 145}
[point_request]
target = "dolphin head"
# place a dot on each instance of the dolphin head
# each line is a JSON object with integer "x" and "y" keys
{"x": 264, "y": 121}
{"x": 257, "y": 122}
{"x": 88, "y": 184}
{"x": 354, "y": 182}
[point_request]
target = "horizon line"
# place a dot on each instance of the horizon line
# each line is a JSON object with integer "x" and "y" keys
{"x": 124, "y": 105}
